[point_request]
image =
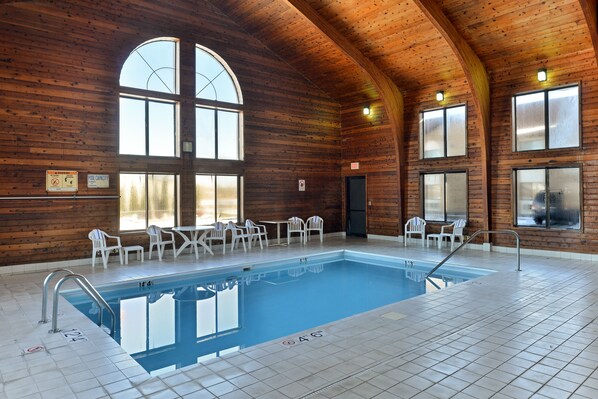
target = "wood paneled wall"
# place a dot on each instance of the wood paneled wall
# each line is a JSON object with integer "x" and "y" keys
{"x": 367, "y": 139}
{"x": 59, "y": 74}
{"x": 562, "y": 70}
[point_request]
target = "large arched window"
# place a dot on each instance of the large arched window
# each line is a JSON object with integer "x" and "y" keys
{"x": 149, "y": 100}
{"x": 218, "y": 117}
{"x": 149, "y": 124}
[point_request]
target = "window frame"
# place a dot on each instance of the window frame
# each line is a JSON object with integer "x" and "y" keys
{"x": 515, "y": 196}
{"x": 156, "y": 96}
{"x": 546, "y": 118}
{"x": 444, "y": 131}
{"x": 218, "y": 105}
{"x": 240, "y": 191}
{"x": 423, "y": 197}
{"x": 217, "y": 109}
{"x": 177, "y": 199}
{"x": 147, "y": 100}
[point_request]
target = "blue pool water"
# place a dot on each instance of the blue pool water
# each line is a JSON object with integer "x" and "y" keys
{"x": 178, "y": 321}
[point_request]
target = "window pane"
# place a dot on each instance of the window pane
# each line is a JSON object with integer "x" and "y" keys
{"x": 228, "y": 135}
{"x": 213, "y": 81}
{"x": 205, "y": 133}
{"x": 456, "y": 196}
{"x": 161, "y": 200}
{"x": 133, "y": 322}
{"x": 563, "y": 114}
{"x": 564, "y": 202}
{"x": 206, "y": 313}
{"x": 132, "y": 202}
{"x": 434, "y": 197}
{"x": 531, "y": 196}
{"x": 456, "y": 131}
{"x": 227, "y": 199}
{"x": 529, "y": 128}
{"x": 132, "y": 126}
{"x": 205, "y": 199}
{"x": 161, "y": 129}
{"x": 161, "y": 322}
{"x": 228, "y": 308}
{"x": 433, "y": 134}
{"x": 151, "y": 66}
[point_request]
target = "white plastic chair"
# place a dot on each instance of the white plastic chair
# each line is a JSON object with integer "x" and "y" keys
{"x": 415, "y": 225}
{"x": 256, "y": 231}
{"x": 314, "y": 223}
{"x": 295, "y": 225}
{"x": 238, "y": 233}
{"x": 218, "y": 234}
{"x": 156, "y": 235}
{"x": 450, "y": 231}
{"x": 98, "y": 239}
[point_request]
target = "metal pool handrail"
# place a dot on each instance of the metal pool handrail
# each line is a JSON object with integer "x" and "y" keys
{"x": 44, "y": 318}
{"x": 511, "y": 232}
{"x": 89, "y": 290}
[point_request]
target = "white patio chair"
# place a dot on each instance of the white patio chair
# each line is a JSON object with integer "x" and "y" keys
{"x": 160, "y": 238}
{"x": 257, "y": 231}
{"x": 98, "y": 239}
{"x": 238, "y": 233}
{"x": 415, "y": 225}
{"x": 450, "y": 232}
{"x": 296, "y": 225}
{"x": 218, "y": 234}
{"x": 314, "y": 223}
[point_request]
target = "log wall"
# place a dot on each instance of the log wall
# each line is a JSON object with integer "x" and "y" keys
{"x": 59, "y": 92}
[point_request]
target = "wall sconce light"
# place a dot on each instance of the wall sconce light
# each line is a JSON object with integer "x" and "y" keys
{"x": 366, "y": 110}
{"x": 439, "y": 95}
{"x": 187, "y": 146}
{"x": 542, "y": 75}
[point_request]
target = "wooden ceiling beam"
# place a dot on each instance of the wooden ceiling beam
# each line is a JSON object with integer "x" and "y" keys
{"x": 477, "y": 78}
{"x": 390, "y": 94}
{"x": 591, "y": 14}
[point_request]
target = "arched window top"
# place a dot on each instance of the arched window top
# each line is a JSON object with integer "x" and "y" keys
{"x": 152, "y": 66}
{"x": 214, "y": 79}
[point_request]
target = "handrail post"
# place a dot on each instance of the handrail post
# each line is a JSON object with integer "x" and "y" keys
{"x": 44, "y": 318}
{"x": 512, "y": 232}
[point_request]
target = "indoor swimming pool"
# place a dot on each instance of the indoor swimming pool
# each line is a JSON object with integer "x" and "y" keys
{"x": 171, "y": 322}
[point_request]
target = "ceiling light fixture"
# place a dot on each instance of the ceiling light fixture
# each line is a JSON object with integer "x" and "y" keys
{"x": 440, "y": 95}
{"x": 542, "y": 75}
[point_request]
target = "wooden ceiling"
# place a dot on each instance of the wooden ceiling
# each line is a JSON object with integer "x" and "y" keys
{"x": 400, "y": 39}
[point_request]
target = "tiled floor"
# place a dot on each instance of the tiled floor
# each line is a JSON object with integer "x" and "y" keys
{"x": 528, "y": 334}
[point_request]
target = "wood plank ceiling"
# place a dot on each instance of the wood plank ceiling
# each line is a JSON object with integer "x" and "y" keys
{"x": 403, "y": 43}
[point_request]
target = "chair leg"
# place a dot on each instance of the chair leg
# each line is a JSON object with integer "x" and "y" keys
{"x": 105, "y": 259}
{"x": 93, "y": 258}
{"x": 244, "y": 247}
{"x": 120, "y": 255}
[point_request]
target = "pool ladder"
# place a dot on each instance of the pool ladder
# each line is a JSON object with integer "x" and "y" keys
{"x": 511, "y": 232}
{"x": 85, "y": 285}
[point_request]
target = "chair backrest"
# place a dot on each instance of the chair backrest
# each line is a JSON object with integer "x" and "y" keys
{"x": 314, "y": 222}
{"x": 98, "y": 238}
{"x": 295, "y": 224}
{"x": 416, "y": 224}
{"x": 219, "y": 230}
{"x": 459, "y": 225}
{"x": 155, "y": 233}
{"x": 233, "y": 228}
{"x": 249, "y": 223}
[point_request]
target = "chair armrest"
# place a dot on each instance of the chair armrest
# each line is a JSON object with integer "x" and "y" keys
{"x": 447, "y": 226}
{"x": 115, "y": 238}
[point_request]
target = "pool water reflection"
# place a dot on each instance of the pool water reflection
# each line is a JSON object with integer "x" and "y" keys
{"x": 172, "y": 324}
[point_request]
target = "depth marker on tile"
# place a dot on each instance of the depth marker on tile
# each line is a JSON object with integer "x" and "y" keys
{"x": 73, "y": 335}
